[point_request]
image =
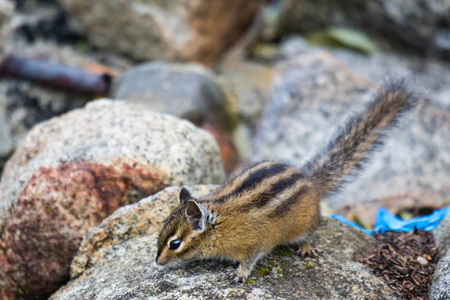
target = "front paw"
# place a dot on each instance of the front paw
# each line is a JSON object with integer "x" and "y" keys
{"x": 230, "y": 274}
{"x": 313, "y": 253}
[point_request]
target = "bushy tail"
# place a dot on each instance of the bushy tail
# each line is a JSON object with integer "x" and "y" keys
{"x": 348, "y": 151}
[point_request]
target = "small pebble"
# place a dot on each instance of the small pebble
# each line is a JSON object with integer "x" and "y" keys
{"x": 422, "y": 261}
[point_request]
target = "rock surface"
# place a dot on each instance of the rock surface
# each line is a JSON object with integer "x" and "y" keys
{"x": 442, "y": 235}
{"x": 6, "y": 11}
{"x": 6, "y": 141}
{"x": 159, "y": 30}
{"x": 184, "y": 90}
{"x": 75, "y": 170}
{"x": 430, "y": 73}
{"x": 313, "y": 93}
{"x": 426, "y": 21}
{"x": 116, "y": 260}
{"x": 440, "y": 288}
{"x": 441, "y": 280}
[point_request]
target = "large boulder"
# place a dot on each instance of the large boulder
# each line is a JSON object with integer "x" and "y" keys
{"x": 73, "y": 171}
{"x": 421, "y": 25}
{"x": 313, "y": 93}
{"x": 116, "y": 261}
{"x": 159, "y": 30}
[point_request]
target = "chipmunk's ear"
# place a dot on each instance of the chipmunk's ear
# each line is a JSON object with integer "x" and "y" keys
{"x": 186, "y": 195}
{"x": 195, "y": 214}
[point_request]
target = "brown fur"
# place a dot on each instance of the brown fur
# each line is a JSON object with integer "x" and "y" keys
{"x": 268, "y": 203}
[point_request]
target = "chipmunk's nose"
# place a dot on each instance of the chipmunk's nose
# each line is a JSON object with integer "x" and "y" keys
{"x": 160, "y": 261}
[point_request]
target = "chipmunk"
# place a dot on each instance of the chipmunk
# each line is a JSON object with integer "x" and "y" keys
{"x": 268, "y": 204}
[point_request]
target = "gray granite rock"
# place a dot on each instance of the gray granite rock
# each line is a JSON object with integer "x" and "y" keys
{"x": 442, "y": 235}
{"x": 6, "y": 11}
{"x": 116, "y": 261}
{"x": 72, "y": 171}
{"x": 6, "y": 141}
{"x": 440, "y": 287}
{"x": 430, "y": 73}
{"x": 420, "y": 25}
{"x": 159, "y": 30}
{"x": 313, "y": 93}
{"x": 184, "y": 90}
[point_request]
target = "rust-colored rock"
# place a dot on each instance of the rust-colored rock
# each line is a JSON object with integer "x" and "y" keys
{"x": 73, "y": 171}
{"x": 228, "y": 151}
{"x": 56, "y": 208}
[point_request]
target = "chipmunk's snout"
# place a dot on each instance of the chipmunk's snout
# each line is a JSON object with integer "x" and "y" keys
{"x": 165, "y": 259}
{"x": 161, "y": 262}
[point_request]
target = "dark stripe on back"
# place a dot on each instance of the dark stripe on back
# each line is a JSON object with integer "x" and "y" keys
{"x": 284, "y": 207}
{"x": 253, "y": 179}
{"x": 263, "y": 198}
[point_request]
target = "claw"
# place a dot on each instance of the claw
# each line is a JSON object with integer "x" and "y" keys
{"x": 314, "y": 253}
{"x": 231, "y": 275}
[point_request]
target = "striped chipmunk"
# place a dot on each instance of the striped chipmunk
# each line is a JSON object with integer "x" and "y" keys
{"x": 268, "y": 204}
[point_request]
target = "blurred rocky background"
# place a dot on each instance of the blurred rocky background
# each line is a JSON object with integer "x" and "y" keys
{"x": 192, "y": 90}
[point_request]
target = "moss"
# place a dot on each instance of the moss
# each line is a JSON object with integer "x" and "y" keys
{"x": 263, "y": 270}
{"x": 308, "y": 265}
{"x": 286, "y": 251}
{"x": 250, "y": 281}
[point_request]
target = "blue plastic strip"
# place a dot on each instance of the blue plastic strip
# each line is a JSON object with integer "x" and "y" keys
{"x": 345, "y": 221}
{"x": 386, "y": 221}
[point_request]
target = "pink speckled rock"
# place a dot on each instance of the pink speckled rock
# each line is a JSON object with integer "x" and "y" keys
{"x": 71, "y": 172}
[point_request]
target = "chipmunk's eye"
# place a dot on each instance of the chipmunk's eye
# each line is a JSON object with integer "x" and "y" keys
{"x": 174, "y": 244}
